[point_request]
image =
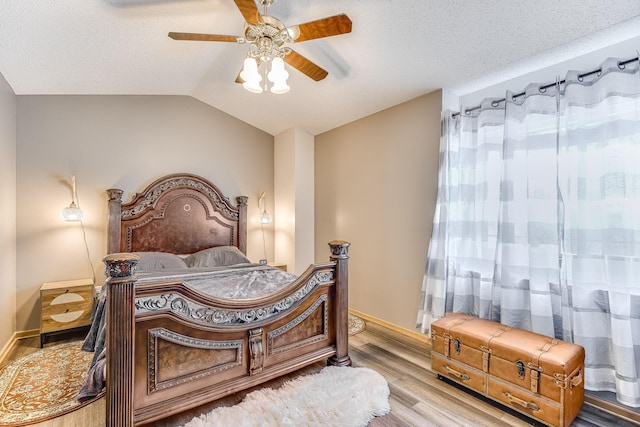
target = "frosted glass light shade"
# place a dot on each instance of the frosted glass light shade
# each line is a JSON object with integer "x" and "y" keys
{"x": 280, "y": 87}
{"x": 250, "y": 70}
{"x": 277, "y": 73}
{"x": 252, "y": 86}
{"x": 264, "y": 217}
{"x": 251, "y": 76}
{"x": 72, "y": 213}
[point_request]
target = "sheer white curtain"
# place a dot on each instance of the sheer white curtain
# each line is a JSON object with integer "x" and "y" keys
{"x": 599, "y": 179}
{"x": 461, "y": 255}
{"x": 537, "y": 222}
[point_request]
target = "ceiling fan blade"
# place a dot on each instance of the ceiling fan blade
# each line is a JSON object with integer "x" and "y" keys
{"x": 249, "y": 11}
{"x": 203, "y": 37}
{"x": 326, "y": 27}
{"x": 305, "y": 66}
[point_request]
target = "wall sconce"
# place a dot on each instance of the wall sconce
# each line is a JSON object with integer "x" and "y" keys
{"x": 72, "y": 213}
{"x": 263, "y": 218}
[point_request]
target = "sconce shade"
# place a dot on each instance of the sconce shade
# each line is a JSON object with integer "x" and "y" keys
{"x": 264, "y": 217}
{"x": 72, "y": 213}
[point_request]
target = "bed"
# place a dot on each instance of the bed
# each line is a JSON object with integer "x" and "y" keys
{"x": 172, "y": 346}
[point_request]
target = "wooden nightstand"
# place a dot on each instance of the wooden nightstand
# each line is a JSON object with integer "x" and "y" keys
{"x": 66, "y": 306}
{"x": 282, "y": 267}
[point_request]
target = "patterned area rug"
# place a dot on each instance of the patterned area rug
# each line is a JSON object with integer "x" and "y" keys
{"x": 356, "y": 324}
{"x": 43, "y": 384}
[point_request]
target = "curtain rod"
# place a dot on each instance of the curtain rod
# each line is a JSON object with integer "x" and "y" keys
{"x": 542, "y": 88}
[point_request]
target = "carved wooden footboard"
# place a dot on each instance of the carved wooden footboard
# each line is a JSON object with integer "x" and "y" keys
{"x": 170, "y": 349}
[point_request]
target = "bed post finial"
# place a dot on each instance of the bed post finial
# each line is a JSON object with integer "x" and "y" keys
{"x": 241, "y": 202}
{"x": 115, "y": 215}
{"x": 340, "y": 254}
{"x": 120, "y": 268}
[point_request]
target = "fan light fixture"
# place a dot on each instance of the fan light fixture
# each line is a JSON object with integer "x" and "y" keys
{"x": 72, "y": 213}
{"x": 267, "y": 42}
{"x": 267, "y": 36}
{"x": 278, "y": 75}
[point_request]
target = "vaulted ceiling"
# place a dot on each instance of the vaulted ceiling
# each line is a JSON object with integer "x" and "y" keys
{"x": 397, "y": 50}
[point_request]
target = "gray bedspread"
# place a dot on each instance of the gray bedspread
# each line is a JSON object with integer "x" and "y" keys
{"x": 244, "y": 281}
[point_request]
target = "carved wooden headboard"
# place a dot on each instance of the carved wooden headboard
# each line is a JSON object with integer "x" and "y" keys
{"x": 180, "y": 214}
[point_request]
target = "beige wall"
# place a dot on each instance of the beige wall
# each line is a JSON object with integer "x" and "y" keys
{"x": 376, "y": 184}
{"x": 117, "y": 142}
{"x": 7, "y": 213}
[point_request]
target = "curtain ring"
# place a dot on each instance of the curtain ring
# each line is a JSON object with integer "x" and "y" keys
{"x": 494, "y": 104}
{"x": 467, "y": 111}
{"x": 542, "y": 89}
{"x": 580, "y": 78}
{"x": 621, "y": 65}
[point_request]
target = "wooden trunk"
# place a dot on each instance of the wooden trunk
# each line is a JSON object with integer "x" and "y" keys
{"x": 538, "y": 376}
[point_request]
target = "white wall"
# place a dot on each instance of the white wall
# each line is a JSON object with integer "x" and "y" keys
{"x": 7, "y": 213}
{"x": 121, "y": 142}
{"x": 294, "y": 197}
{"x": 376, "y": 186}
{"x": 305, "y": 200}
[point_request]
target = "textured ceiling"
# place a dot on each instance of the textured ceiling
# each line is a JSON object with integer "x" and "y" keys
{"x": 398, "y": 50}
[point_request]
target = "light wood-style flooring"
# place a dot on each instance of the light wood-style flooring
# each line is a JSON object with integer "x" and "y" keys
{"x": 417, "y": 398}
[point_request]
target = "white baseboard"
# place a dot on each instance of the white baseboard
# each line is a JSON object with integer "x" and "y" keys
{"x": 404, "y": 331}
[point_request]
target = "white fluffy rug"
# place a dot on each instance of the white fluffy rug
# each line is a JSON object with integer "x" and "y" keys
{"x": 336, "y": 396}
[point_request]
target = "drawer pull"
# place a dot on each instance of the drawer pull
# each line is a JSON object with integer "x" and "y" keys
{"x": 524, "y": 404}
{"x": 463, "y": 377}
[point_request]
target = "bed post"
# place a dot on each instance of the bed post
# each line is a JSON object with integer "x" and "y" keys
{"x": 120, "y": 268}
{"x": 241, "y": 202}
{"x": 340, "y": 254}
{"x": 115, "y": 216}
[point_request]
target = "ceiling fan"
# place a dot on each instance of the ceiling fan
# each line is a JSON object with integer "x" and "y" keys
{"x": 267, "y": 36}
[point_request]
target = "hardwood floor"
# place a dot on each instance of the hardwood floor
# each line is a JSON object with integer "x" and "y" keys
{"x": 417, "y": 398}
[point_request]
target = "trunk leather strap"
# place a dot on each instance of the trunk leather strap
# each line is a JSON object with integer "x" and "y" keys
{"x": 535, "y": 376}
{"x": 486, "y": 350}
{"x": 535, "y": 364}
{"x": 447, "y": 335}
{"x": 447, "y": 341}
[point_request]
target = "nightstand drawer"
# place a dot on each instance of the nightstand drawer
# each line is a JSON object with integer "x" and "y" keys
{"x": 65, "y": 316}
{"x": 66, "y": 294}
